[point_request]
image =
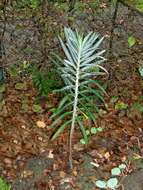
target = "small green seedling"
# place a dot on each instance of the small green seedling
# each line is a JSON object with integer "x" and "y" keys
{"x": 91, "y": 132}
{"x": 131, "y": 41}
{"x": 113, "y": 182}
{"x": 82, "y": 141}
{"x": 4, "y": 185}
{"x": 115, "y": 171}
{"x": 37, "y": 108}
{"x": 121, "y": 106}
{"x": 87, "y": 132}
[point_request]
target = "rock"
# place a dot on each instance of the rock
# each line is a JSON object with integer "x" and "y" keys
{"x": 33, "y": 172}
{"x": 134, "y": 181}
{"x": 138, "y": 163}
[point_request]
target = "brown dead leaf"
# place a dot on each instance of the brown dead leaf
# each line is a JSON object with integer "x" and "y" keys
{"x": 62, "y": 174}
{"x": 7, "y": 161}
{"x": 40, "y": 124}
{"x": 107, "y": 155}
{"x": 92, "y": 178}
{"x": 26, "y": 173}
{"x": 78, "y": 147}
{"x": 74, "y": 173}
{"x": 124, "y": 158}
{"x": 51, "y": 155}
{"x": 67, "y": 180}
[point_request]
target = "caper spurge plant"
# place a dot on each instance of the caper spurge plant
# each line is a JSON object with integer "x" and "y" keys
{"x": 78, "y": 71}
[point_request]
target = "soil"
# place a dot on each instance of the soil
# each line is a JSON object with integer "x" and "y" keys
{"x": 134, "y": 181}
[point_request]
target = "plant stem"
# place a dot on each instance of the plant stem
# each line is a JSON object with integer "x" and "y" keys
{"x": 74, "y": 109}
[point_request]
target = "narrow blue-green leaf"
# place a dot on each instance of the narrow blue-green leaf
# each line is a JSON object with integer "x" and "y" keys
{"x": 60, "y": 130}
{"x": 93, "y": 91}
{"x": 66, "y": 51}
{"x": 83, "y": 130}
{"x": 60, "y": 110}
{"x": 91, "y": 105}
{"x": 61, "y": 117}
{"x": 63, "y": 101}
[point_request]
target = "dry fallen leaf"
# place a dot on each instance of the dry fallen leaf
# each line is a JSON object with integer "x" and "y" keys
{"x": 124, "y": 158}
{"x": 40, "y": 124}
{"x": 62, "y": 174}
{"x": 8, "y": 161}
{"x": 26, "y": 173}
{"x": 78, "y": 147}
{"x": 67, "y": 180}
{"x": 107, "y": 155}
{"x": 74, "y": 173}
{"x": 92, "y": 178}
{"x": 51, "y": 155}
{"x": 95, "y": 164}
{"x": 23, "y": 126}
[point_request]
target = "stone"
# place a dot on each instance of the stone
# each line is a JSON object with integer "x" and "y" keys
{"x": 134, "y": 181}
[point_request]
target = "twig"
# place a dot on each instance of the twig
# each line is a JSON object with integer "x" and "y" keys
{"x": 122, "y": 186}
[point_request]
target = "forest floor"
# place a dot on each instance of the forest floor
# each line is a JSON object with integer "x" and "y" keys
{"x": 28, "y": 159}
